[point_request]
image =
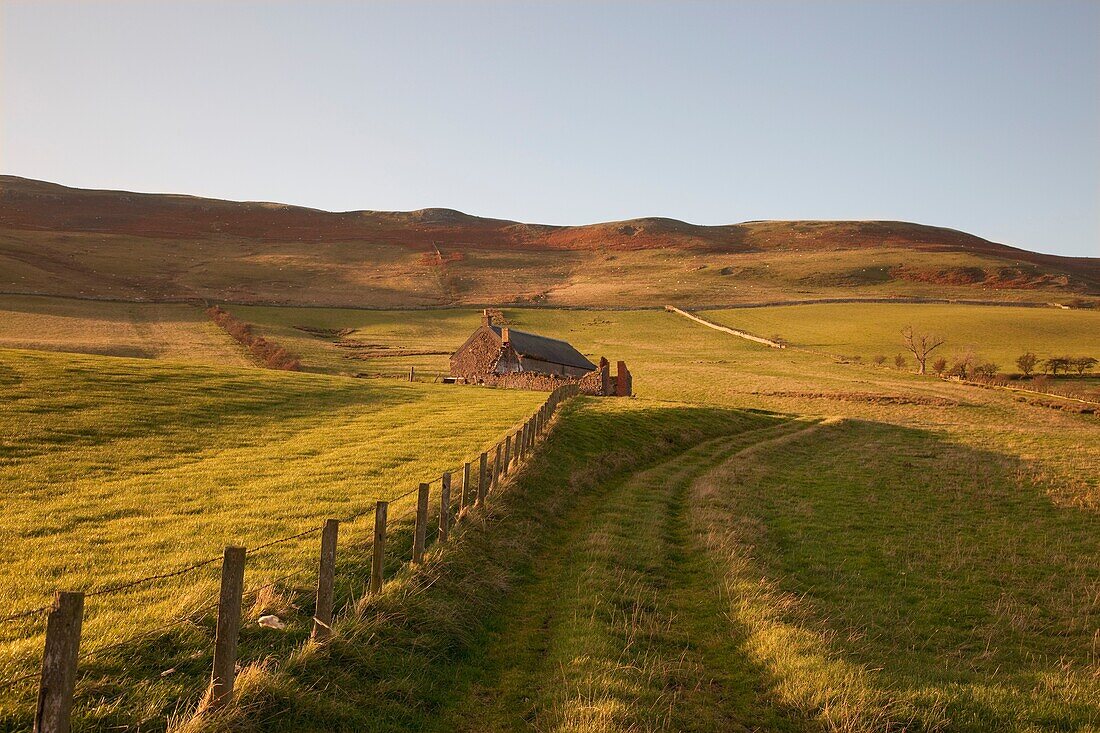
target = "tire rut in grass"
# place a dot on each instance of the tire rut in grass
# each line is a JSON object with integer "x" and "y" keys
{"x": 624, "y": 627}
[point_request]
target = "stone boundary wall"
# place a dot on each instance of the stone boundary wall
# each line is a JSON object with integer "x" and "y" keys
{"x": 597, "y": 383}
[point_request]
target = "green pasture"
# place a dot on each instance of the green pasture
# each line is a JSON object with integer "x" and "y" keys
{"x": 925, "y": 553}
{"x": 992, "y": 333}
{"x": 114, "y": 469}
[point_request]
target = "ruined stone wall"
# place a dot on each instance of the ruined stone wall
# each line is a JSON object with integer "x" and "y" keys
{"x": 525, "y": 380}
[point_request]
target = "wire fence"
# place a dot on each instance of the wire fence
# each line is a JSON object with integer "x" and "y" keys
{"x": 476, "y": 479}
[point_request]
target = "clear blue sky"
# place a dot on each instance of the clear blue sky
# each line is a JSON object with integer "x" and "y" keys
{"x": 983, "y": 115}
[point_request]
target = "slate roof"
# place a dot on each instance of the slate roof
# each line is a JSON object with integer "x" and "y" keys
{"x": 546, "y": 349}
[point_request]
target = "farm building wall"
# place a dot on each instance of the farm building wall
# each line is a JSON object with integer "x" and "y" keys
{"x": 475, "y": 358}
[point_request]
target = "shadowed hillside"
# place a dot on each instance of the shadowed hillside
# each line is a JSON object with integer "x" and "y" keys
{"x": 114, "y": 244}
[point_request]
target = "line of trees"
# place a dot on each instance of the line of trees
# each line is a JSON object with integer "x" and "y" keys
{"x": 967, "y": 366}
{"x": 268, "y": 353}
{"x": 1027, "y": 363}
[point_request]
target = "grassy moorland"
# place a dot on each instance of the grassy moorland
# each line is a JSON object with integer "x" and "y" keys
{"x": 115, "y": 469}
{"x": 927, "y": 557}
{"x": 112, "y": 244}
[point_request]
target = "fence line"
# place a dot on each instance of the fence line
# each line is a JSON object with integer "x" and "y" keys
{"x": 65, "y": 615}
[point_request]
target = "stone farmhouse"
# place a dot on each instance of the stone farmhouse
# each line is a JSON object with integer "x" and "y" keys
{"x": 504, "y": 357}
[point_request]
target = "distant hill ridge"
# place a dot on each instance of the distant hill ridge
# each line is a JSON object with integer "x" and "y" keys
{"x": 31, "y": 204}
{"x": 47, "y": 209}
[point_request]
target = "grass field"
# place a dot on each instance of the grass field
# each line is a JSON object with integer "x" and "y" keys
{"x": 114, "y": 469}
{"x": 148, "y": 330}
{"x": 880, "y": 547}
{"x": 998, "y": 334}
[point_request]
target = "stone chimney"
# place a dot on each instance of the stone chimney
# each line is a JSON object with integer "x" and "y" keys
{"x": 486, "y": 319}
{"x": 504, "y": 335}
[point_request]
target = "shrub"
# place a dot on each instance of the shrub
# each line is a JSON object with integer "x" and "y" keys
{"x": 880, "y": 359}
{"x": 1026, "y": 362}
{"x": 939, "y": 366}
{"x": 984, "y": 372}
{"x": 268, "y": 353}
{"x": 899, "y": 361}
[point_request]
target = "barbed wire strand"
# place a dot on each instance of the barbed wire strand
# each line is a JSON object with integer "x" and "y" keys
{"x": 149, "y": 633}
{"x": 24, "y": 614}
{"x": 160, "y": 576}
{"x": 281, "y": 540}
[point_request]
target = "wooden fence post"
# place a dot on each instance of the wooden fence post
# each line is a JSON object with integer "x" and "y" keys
{"x": 445, "y": 506}
{"x": 377, "y": 566}
{"x": 412, "y": 374}
{"x": 326, "y": 577}
{"x": 467, "y": 488}
{"x": 229, "y": 627}
{"x": 507, "y": 453}
{"x": 55, "y": 690}
{"x": 496, "y": 466}
{"x": 420, "y": 530}
{"x": 483, "y": 479}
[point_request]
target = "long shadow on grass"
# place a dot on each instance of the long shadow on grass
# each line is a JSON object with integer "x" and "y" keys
{"x": 938, "y": 564}
{"x": 135, "y": 401}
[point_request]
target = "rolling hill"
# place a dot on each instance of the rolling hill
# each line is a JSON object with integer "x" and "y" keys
{"x": 135, "y": 246}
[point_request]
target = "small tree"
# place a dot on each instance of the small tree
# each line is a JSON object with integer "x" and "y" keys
{"x": 1083, "y": 364}
{"x": 1054, "y": 363}
{"x": 880, "y": 359}
{"x": 939, "y": 366}
{"x": 1027, "y": 362}
{"x": 899, "y": 361}
{"x": 920, "y": 345}
{"x": 963, "y": 366}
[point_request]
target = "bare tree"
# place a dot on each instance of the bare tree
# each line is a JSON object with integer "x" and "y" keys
{"x": 920, "y": 345}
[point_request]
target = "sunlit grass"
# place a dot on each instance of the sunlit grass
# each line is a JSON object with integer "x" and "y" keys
{"x": 114, "y": 469}
{"x": 987, "y": 504}
{"x": 889, "y": 577}
{"x": 998, "y": 334}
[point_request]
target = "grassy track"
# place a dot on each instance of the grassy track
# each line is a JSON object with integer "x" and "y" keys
{"x": 624, "y": 627}
{"x": 400, "y": 662}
